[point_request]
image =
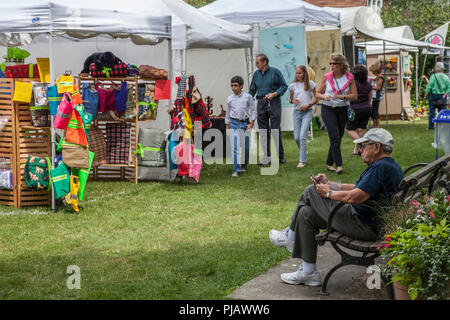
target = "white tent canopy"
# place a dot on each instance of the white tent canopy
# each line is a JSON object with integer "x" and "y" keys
{"x": 261, "y": 11}
{"x": 377, "y": 46}
{"x": 190, "y": 27}
{"x": 25, "y": 19}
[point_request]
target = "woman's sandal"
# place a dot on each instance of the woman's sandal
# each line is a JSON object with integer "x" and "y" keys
{"x": 332, "y": 170}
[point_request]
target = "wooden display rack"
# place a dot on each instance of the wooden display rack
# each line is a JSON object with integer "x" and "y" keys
{"x": 123, "y": 172}
{"x": 18, "y": 140}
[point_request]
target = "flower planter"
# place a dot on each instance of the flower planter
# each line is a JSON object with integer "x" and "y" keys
{"x": 401, "y": 292}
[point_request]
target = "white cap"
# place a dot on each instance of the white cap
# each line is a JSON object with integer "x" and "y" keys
{"x": 377, "y": 135}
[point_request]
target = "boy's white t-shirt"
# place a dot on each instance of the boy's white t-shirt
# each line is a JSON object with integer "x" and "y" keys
{"x": 305, "y": 97}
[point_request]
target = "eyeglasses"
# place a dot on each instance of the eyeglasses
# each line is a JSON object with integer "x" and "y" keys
{"x": 234, "y": 85}
{"x": 334, "y": 63}
{"x": 363, "y": 145}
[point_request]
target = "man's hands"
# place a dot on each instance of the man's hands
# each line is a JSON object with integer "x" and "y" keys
{"x": 250, "y": 126}
{"x": 270, "y": 96}
{"x": 322, "y": 186}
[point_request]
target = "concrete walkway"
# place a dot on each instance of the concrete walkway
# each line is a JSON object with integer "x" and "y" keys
{"x": 347, "y": 283}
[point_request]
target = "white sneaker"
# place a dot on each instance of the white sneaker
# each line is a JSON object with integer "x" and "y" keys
{"x": 280, "y": 239}
{"x": 235, "y": 174}
{"x": 299, "y": 277}
{"x": 301, "y": 165}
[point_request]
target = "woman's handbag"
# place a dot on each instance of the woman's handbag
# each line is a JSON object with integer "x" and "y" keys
{"x": 40, "y": 116}
{"x": 61, "y": 180}
{"x": 64, "y": 113}
{"x": 75, "y": 131}
{"x": 37, "y": 173}
{"x": 97, "y": 144}
{"x": 65, "y": 83}
{"x": 54, "y": 99}
{"x": 83, "y": 175}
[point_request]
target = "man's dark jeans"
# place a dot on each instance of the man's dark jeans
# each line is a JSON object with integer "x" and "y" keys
{"x": 269, "y": 118}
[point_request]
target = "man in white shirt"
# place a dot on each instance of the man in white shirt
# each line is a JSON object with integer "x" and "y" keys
{"x": 239, "y": 120}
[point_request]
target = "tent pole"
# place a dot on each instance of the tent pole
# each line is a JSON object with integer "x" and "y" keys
{"x": 52, "y": 129}
{"x": 385, "y": 91}
{"x": 417, "y": 85}
{"x": 400, "y": 76}
{"x": 423, "y": 68}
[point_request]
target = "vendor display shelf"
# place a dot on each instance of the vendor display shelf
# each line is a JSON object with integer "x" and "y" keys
{"x": 124, "y": 172}
{"x": 21, "y": 140}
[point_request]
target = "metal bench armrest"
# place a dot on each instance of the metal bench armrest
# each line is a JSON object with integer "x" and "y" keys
{"x": 417, "y": 165}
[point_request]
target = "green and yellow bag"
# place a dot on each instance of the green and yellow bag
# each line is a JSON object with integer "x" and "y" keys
{"x": 37, "y": 173}
{"x": 61, "y": 180}
{"x": 83, "y": 175}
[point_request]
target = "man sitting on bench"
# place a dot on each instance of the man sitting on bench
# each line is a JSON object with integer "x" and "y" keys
{"x": 357, "y": 218}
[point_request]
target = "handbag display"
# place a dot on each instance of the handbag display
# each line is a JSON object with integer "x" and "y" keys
{"x": 64, "y": 113}
{"x": 37, "y": 173}
{"x": 152, "y": 73}
{"x": 76, "y": 156}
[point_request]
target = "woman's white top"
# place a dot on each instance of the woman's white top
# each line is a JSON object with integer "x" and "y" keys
{"x": 304, "y": 97}
{"x": 329, "y": 91}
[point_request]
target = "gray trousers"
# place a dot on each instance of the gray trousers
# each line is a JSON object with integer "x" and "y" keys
{"x": 311, "y": 214}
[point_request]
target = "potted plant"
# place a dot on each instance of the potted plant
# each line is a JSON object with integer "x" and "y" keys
{"x": 417, "y": 247}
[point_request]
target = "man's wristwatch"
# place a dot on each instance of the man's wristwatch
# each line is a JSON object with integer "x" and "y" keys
{"x": 328, "y": 194}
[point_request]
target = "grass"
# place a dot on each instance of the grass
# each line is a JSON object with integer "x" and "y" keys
{"x": 168, "y": 241}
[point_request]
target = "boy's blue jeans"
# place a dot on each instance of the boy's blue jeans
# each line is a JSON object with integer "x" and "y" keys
{"x": 239, "y": 138}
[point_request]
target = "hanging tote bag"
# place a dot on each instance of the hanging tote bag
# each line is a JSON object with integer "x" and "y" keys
{"x": 22, "y": 91}
{"x": 86, "y": 117}
{"x": 76, "y": 96}
{"x": 65, "y": 84}
{"x": 76, "y": 156}
{"x": 61, "y": 180}
{"x": 64, "y": 113}
{"x": 40, "y": 116}
{"x": 54, "y": 99}
{"x": 75, "y": 132}
{"x": 83, "y": 175}
{"x": 97, "y": 144}
{"x": 90, "y": 99}
{"x": 37, "y": 174}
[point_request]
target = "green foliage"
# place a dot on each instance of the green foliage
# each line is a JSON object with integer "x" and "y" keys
{"x": 198, "y": 3}
{"x": 422, "y": 17}
{"x": 418, "y": 246}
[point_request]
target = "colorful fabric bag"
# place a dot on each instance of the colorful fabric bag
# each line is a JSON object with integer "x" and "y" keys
{"x": 195, "y": 167}
{"x": 83, "y": 175}
{"x": 22, "y": 71}
{"x": 76, "y": 96}
{"x": 40, "y": 116}
{"x": 75, "y": 132}
{"x": 105, "y": 99}
{"x": 54, "y": 99}
{"x": 118, "y": 140}
{"x": 97, "y": 144}
{"x": 120, "y": 97}
{"x": 64, "y": 113}
{"x": 173, "y": 142}
{"x": 130, "y": 112}
{"x": 85, "y": 117}
{"x": 22, "y": 91}
{"x": 61, "y": 180}
{"x": 40, "y": 94}
{"x": 90, "y": 99}
{"x": 119, "y": 70}
{"x": 151, "y": 148}
{"x": 37, "y": 173}
{"x": 65, "y": 83}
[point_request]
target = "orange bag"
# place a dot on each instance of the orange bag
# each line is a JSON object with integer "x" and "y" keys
{"x": 76, "y": 96}
{"x": 75, "y": 132}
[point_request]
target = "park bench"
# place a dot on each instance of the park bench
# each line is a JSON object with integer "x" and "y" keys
{"x": 430, "y": 176}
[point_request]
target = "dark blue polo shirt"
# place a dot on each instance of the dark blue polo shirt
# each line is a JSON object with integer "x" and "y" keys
{"x": 381, "y": 181}
{"x": 271, "y": 81}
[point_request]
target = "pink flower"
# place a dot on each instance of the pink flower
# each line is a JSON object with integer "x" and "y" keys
{"x": 432, "y": 214}
{"x": 426, "y": 197}
{"x": 387, "y": 245}
{"x": 387, "y": 239}
{"x": 420, "y": 211}
{"x": 381, "y": 245}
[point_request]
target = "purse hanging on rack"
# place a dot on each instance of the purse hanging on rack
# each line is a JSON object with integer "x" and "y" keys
{"x": 61, "y": 180}
{"x": 65, "y": 83}
{"x": 54, "y": 99}
{"x": 75, "y": 132}
{"x": 64, "y": 113}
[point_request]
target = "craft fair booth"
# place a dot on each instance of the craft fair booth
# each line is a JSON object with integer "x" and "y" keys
{"x": 278, "y": 30}
{"x": 26, "y": 138}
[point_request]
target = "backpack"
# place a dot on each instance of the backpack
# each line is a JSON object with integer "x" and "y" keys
{"x": 37, "y": 173}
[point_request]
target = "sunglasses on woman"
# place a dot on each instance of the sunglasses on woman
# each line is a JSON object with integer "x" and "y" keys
{"x": 334, "y": 63}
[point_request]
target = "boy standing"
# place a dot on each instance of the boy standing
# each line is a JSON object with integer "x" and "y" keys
{"x": 240, "y": 118}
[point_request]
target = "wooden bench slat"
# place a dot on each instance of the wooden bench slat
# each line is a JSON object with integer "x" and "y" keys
{"x": 344, "y": 240}
{"x": 334, "y": 236}
{"x": 360, "y": 245}
{"x": 322, "y": 236}
{"x": 374, "y": 246}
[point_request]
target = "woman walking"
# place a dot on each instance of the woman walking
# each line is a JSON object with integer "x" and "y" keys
{"x": 437, "y": 89}
{"x": 337, "y": 88}
{"x": 302, "y": 92}
{"x": 377, "y": 93}
{"x": 361, "y": 107}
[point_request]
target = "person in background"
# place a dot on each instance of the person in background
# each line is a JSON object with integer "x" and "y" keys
{"x": 437, "y": 87}
{"x": 337, "y": 88}
{"x": 239, "y": 120}
{"x": 377, "y": 93}
{"x": 311, "y": 72}
{"x": 268, "y": 85}
{"x": 302, "y": 95}
{"x": 358, "y": 218}
{"x": 361, "y": 106}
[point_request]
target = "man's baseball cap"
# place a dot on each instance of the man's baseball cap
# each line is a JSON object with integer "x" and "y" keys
{"x": 377, "y": 135}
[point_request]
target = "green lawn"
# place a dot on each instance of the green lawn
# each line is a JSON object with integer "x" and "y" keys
{"x": 168, "y": 241}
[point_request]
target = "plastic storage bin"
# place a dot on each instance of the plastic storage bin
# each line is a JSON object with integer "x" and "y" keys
{"x": 442, "y": 132}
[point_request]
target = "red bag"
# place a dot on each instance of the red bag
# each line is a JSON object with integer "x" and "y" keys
{"x": 22, "y": 71}
{"x": 76, "y": 96}
{"x": 152, "y": 73}
{"x": 119, "y": 70}
{"x": 64, "y": 113}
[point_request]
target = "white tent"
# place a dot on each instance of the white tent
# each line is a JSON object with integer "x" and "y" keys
{"x": 376, "y": 46}
{"x": 266, "y": 11}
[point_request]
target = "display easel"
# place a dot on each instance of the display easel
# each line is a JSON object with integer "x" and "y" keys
{"x": 123, "y": 172}
{"x": 18, "y": 140}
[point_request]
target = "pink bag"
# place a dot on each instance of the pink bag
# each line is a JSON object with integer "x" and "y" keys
{"x": 64, "y": 113}
{"x": 195, "y": 167}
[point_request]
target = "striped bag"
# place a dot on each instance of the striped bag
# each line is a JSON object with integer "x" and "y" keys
{"x": 75, "y": 131}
